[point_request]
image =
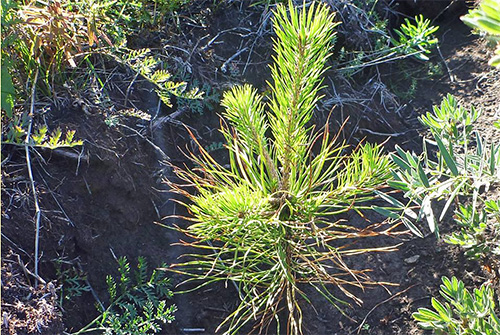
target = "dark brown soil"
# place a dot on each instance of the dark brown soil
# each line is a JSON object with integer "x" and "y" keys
{"x": 27, "y": 308}
{"x": 106, "y": 198}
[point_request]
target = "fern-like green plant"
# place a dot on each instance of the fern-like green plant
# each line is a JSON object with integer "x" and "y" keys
{"x": 268, "y": 221}
{"x": 16, "y": 134}
{"x": 137, "y": 302}
{"x": 148, "y": 66}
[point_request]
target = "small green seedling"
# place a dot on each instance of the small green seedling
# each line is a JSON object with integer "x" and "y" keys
{"x": 462, "y": 312}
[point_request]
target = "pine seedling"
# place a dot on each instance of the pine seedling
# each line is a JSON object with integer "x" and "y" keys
{"x": 268, "y": 221}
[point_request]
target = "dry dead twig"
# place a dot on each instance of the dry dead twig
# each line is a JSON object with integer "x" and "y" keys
{"x": 380, "y": 304}
{"x": 30, "y": 173}
{"x": 28, "y": 272}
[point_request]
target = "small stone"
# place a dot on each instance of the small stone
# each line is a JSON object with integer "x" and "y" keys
{"x": 412, "y": 259}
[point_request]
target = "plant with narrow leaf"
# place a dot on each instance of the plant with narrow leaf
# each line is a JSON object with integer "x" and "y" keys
{"x": 486, "y": 19}
{"x": 416, "y": 39}
{"x": 460, "y": 168}
{"x": 268, "y": 221}
{"x": 479, "y": 233}
{"x": 45, "y": 38}
{"x": 123, "y": 18}
{"x": 450, "y": 121}
{"x": 137, "y": 302}
{"x": 463, "y": 170}
{"x": 7, "y": 89}
{"x": 462, "y": 313}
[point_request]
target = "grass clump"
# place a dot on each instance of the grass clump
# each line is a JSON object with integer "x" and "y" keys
{"x": 47, "y": 43}
{"x": 268, "y": 221}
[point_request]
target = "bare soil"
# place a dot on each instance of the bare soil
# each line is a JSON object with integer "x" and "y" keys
{"x": 108, "y": 198}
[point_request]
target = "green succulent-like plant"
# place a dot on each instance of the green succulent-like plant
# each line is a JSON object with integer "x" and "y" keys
{"x": 462, "y": 313}
{"x": 269, "y": 220}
